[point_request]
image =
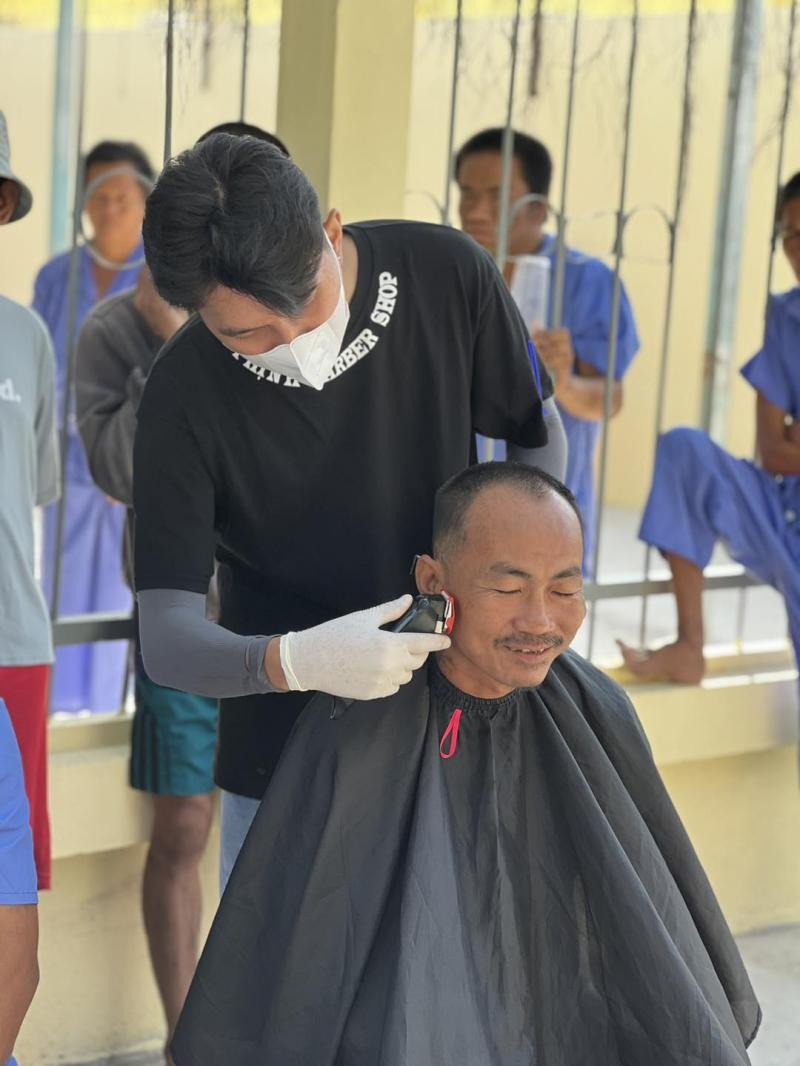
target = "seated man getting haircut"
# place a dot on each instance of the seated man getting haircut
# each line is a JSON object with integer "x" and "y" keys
{"x": 484, "y": 869}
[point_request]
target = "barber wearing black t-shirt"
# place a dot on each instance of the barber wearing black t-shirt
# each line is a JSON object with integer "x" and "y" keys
{"x": 297, "y": 429}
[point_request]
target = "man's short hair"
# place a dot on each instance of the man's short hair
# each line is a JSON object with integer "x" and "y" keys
{"x": 534, "y": 158}
{"x": 456, "y": 496}
{"x": 121, "y": 152}
{"x": 787, "y": 192}
{"x": 244, "y": 129}
{"x": 236, "y": 212}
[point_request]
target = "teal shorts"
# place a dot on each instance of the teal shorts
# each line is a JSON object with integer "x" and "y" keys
{"x": 173, "y": 741}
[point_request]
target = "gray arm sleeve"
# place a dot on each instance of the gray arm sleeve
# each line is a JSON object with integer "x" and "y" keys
{"x": 182, "y": 649}
{"x": 552, "y": 457}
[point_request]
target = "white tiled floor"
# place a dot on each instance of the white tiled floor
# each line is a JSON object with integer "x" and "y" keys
{"x": 773, "y": 962}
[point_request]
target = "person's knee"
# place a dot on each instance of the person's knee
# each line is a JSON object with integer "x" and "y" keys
{"x": 683, "y": 444}
{"x": 181, "y": 828}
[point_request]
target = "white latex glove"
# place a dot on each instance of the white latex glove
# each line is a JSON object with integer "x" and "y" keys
{"x": 353, "y": 657}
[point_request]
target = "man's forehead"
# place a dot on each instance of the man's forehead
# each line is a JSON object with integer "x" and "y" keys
{"x": 486, "y": 166}
{"x": 508, "y": 524}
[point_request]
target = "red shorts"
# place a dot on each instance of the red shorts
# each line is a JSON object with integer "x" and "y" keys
{"x": 24, "y": 692}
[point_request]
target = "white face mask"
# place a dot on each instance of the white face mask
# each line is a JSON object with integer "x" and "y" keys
{"x": 310, "y": 357}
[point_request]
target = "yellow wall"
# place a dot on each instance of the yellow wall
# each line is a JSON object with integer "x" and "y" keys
{"x": 125, "y": 99}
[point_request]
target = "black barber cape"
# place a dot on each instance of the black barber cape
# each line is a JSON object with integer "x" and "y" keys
{"x": 438, "y": 880}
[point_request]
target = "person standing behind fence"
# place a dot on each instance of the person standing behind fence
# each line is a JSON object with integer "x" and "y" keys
{"x": 701, "y": 494}
{"x": 576, "y": 352}
{"x": 117, "y": 176}
{"x": 29, "y": 478}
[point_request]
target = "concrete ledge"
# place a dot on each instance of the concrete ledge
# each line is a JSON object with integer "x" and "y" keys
{"x": 92, "y": 807}
{"x": 747, "y": 706}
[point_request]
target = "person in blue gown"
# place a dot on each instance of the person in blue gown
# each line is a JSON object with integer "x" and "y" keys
{"x": 90, "y": 677}
{"x": 576, "y": 353}
{"x": 700, "y": 494}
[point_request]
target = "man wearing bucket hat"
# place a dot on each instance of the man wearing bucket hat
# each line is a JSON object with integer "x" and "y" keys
{"x": 29, "y": 474}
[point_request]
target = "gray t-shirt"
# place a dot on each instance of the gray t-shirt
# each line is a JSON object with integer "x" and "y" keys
{"x": 116, "y": 349}
{"x": 29, "y": 477}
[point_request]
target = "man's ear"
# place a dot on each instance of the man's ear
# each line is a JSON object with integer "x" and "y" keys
{"x": 428, "y": 575}
{"x": 332, "y": 225}
{"x": 9, "y": 196}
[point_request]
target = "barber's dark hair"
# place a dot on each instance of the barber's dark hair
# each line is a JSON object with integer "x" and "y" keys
{"x": 534, "y": 158}
{"x": 237, "y": 212}
{"x": 120, "y": 152}
{"x": 787, "y": 192}
{"x": 456, "y": 496}
{"x": 244, "y": 129}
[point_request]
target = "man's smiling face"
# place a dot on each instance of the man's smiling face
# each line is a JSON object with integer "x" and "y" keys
{"x": 515, "y": 574}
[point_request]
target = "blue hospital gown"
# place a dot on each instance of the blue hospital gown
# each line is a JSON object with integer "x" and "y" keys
{"x": 588, "y": 290}
{"x": 701, "y": 494}
{"x": 86, "y": 676}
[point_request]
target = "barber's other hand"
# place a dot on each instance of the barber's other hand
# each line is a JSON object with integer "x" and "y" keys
{"x": 353, "y": 657}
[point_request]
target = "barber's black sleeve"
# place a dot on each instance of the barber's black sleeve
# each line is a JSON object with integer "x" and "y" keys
{"x": 507, "y": 395}
{"x": 174, "y": 493}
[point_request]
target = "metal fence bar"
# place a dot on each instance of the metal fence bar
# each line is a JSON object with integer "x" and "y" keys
{"x": 741, "y": 607}
{"x": 169, "y": 78}
{"x": 508, "y": 149}
{"x": 725, "y": 576}
{"x": 786, "y": 106}
{"x": 451, "y": 130}
{"x": 507, "y": 157}
{"x": 73, "y": 277}
{"x": 245, "y": 57}
{"x": 674, "y": 224}
{"x": 734, "y": 170}
{"x": 62, "y": 134}
{"x": 561, "y": 232}
{"x": 90, "y": 628}
{"x": 615, "y": 310}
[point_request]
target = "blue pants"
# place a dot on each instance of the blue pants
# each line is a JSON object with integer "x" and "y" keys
{"x": 701, "y": 494}
{"x": 238, "y": 813}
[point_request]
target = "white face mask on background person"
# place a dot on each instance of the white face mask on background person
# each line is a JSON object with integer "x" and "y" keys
{"x": 310, "y": 358}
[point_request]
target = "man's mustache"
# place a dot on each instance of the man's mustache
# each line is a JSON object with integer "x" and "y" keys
{"x": 524, "y": 640}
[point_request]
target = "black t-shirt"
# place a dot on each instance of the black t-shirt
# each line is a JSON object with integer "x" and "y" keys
{"x": 315, "y": 502}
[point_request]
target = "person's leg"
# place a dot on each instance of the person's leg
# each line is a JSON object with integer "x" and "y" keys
{"x": 682, "y": 660}
{"x": 238, "y": 813}
{"x": 171, "y": 894}
{"x": 700, "y": 494}
{"x": 24, "y": 690}
{"x": 172, "y": 757}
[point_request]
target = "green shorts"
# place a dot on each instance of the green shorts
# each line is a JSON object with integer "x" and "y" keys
{"x": 173, "y": 741}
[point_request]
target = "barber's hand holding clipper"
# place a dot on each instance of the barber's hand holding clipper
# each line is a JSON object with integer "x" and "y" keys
{"x": 351, "y": 656}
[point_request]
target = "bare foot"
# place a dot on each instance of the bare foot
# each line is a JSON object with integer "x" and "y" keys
{"x": 679, "y": 662}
